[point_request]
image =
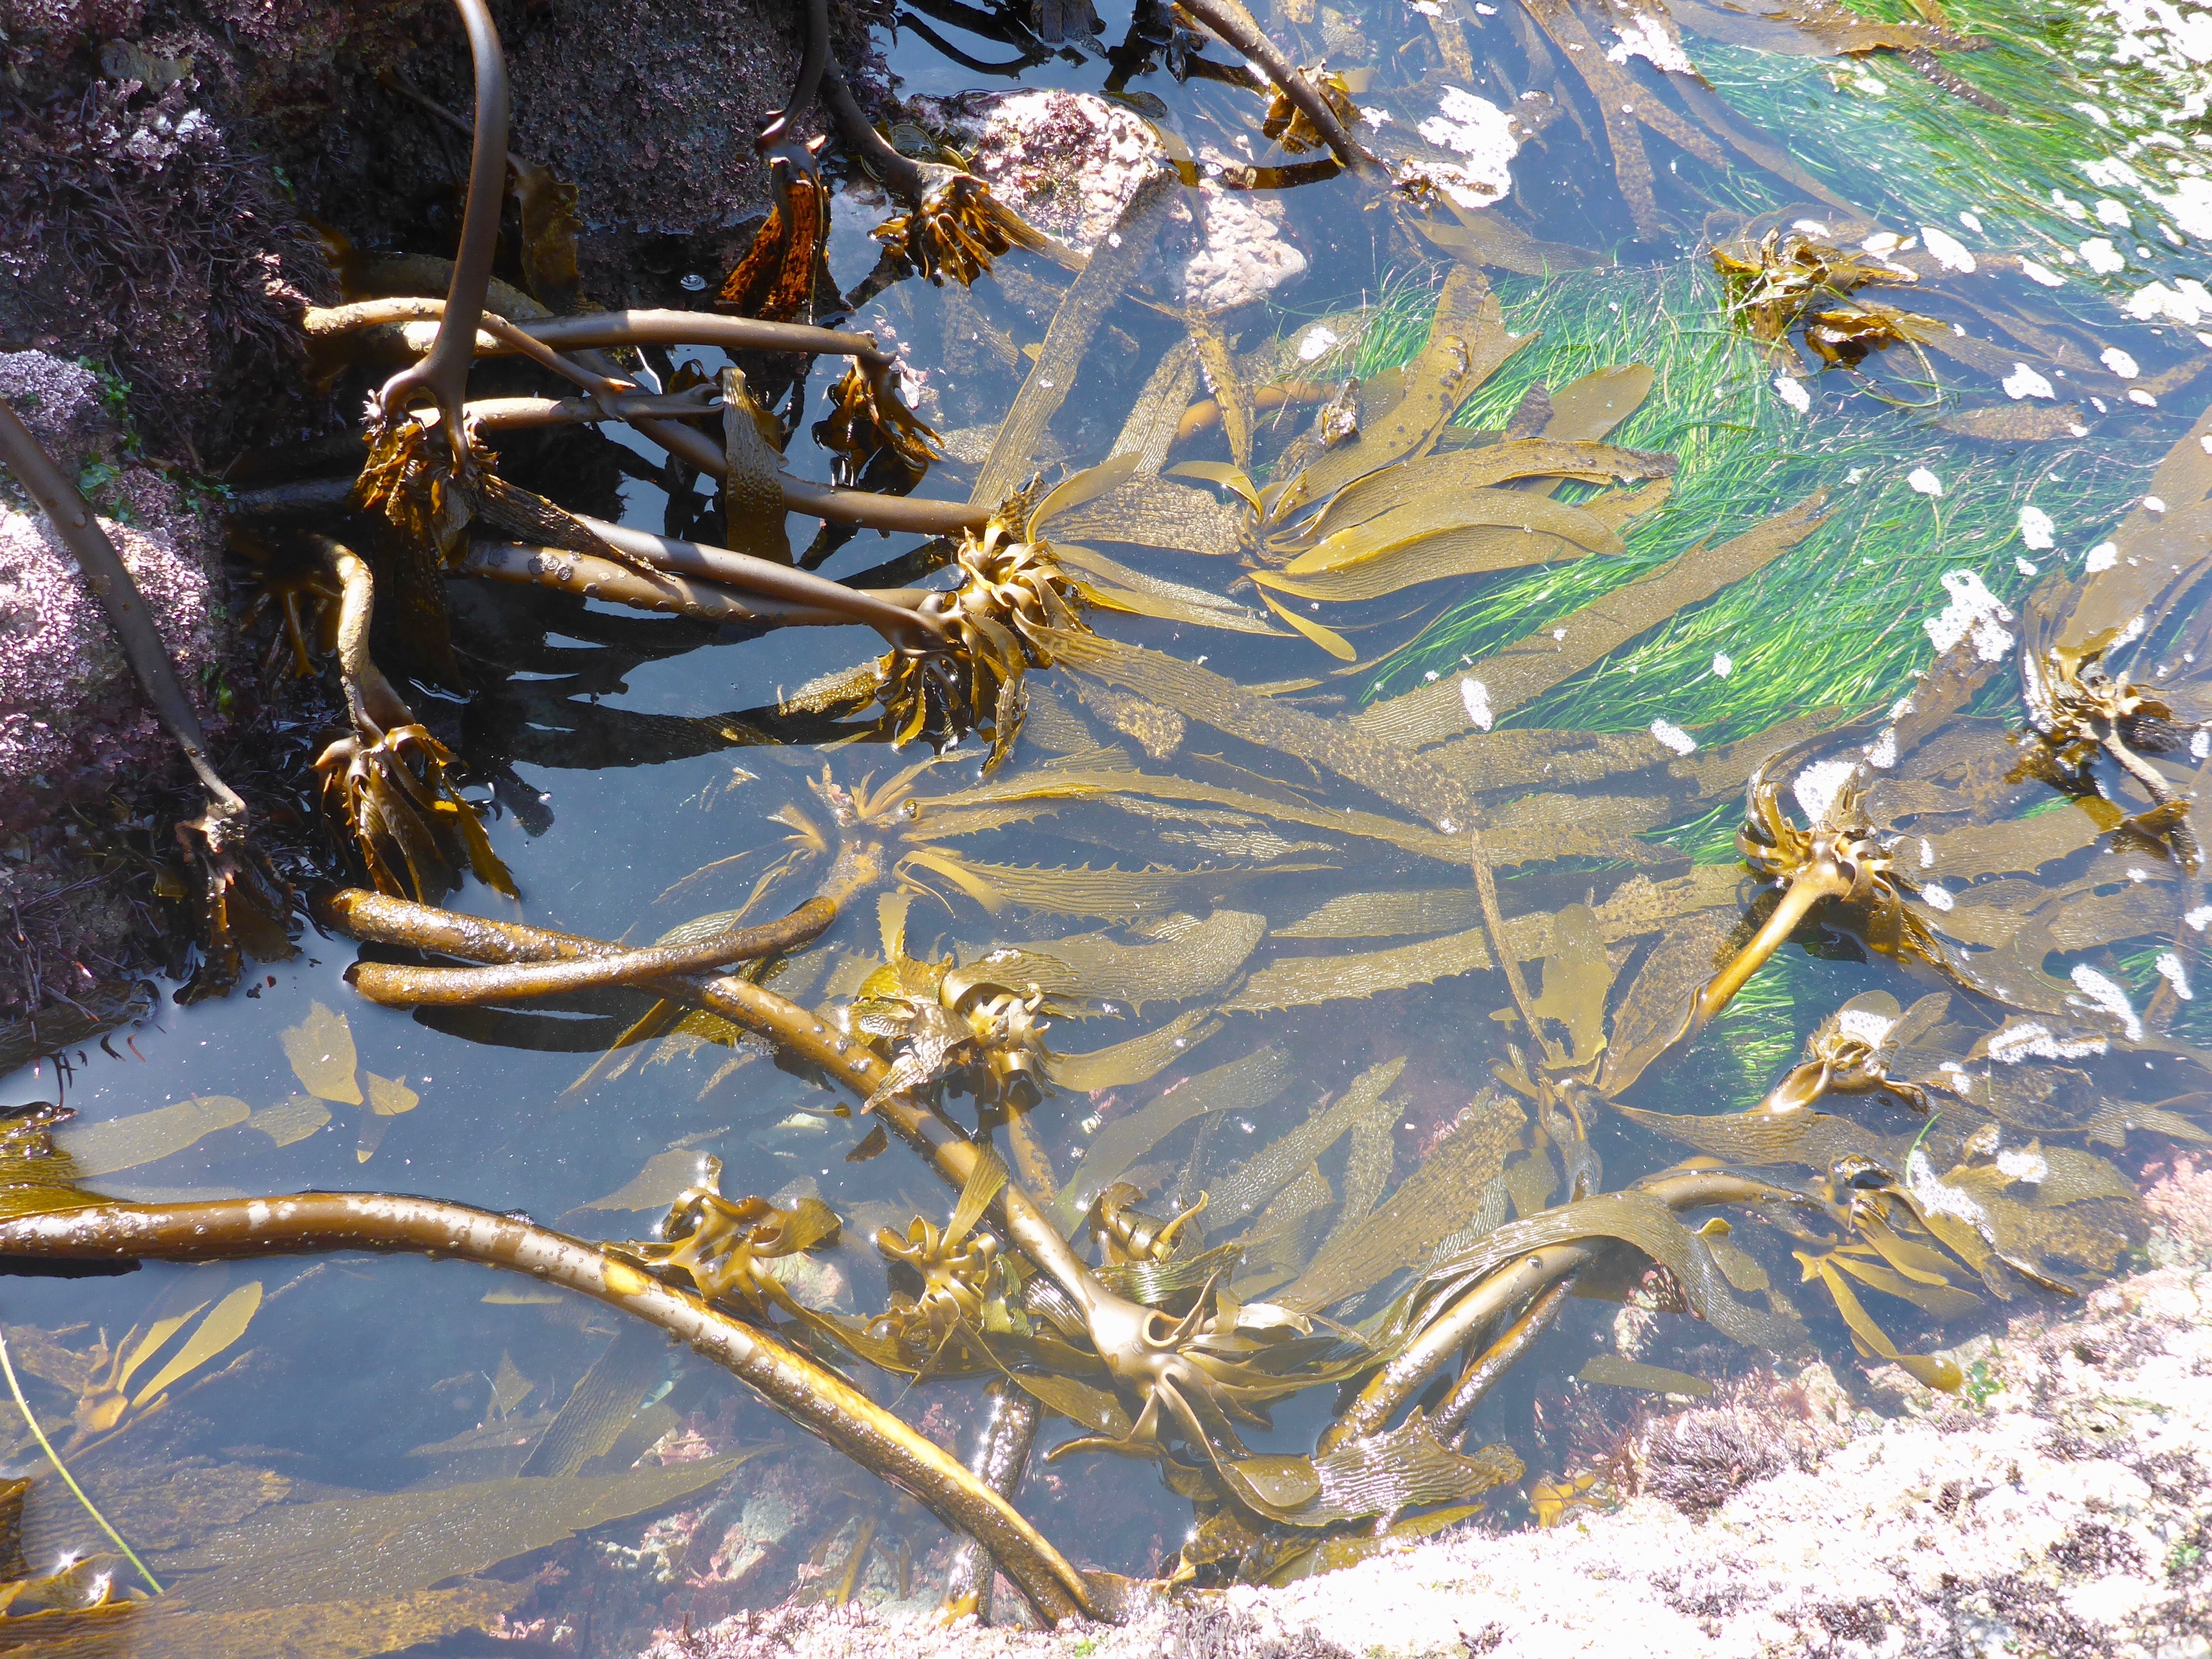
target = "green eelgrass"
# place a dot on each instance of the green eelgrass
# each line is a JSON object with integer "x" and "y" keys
{"x": 1836, "y": 622}
{"x": 61, "y": 1469}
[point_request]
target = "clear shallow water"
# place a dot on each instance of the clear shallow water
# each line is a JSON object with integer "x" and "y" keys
{"x": 349, "y": 1367}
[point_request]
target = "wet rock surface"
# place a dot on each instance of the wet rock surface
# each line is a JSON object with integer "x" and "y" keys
{"x": 80, "y": 752}
{"x": 2055, "y": 1506}
{"x": 1069, "y": 161}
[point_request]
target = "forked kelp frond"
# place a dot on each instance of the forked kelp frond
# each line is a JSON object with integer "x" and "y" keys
{"x": 2078, "y": 709}
{"x": 878, "y": 441}
{"x": 1013, "y": 606}
{"x": 413, "y": 829}
{"x": 1773, "y": 285}
{"x": 726, "y": 1250}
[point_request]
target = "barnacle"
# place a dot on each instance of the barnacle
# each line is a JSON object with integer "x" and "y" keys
{"x": 956, "y": 227}
{"x": 392, "y": 796}
{"x": 725, "y": 1249}
{"x": 2078, "y": 706}
{"x": 1012, "y": 597}
{"x": 876, "y": 439}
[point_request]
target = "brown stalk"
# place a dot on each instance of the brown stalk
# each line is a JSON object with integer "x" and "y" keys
{"x": 813, "y": 60}
{"x": 900, "y": 174}
{"x": 389, "y": 920}
{"x": 399, "y": 986}
{"x": 444, "y": 372}
{"x": 311, "y": 497}
{"x": 1235, "y": 25}
{"x": 820, "y": 1402}
{"x": 1483, "y": 1370}
{"x": 1000, "y": 1459}
{"x": 610, "y": 328}
{"x": 374, "y": 706}
{"x": 901, "y": 626}
{"x": 524, "y": 414}
{"x": 1805, "y": 890}
{"x": 502, "y": 336}
{"x": 1402, "y": 1381}
{"x": 667, "y": 593}
{"x": 622, "y": 328}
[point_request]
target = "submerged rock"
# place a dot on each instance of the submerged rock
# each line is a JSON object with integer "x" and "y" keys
{"x": 1069, "y": 161}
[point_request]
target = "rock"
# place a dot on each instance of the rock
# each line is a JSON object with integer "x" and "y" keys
{"x": 79, "y": 748}
{"x": 74, "y": 726}
{"x": 1069, "y": 161}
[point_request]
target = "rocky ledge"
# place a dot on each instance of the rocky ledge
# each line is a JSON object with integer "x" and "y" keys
{"x": 2055, "y": 1507}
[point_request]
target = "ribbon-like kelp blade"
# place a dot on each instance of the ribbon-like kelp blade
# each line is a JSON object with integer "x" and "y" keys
{"x": 985, "y": 1182}
{"x": 124, "y": 1143}
{"x": 1410, "y": 482}
{"x": 1636, "y": 1219}
{"x": 1616, "y": 1372}
{"x": 1093, "y": 293}
{"x": 1139, "y": 1059}
{"x": 1195, "y": 962}
{"x": 1110, "y": 894}
{"x": 1200, "y": 693}
{"x": 1154, "y": 513}
{"x": 223, "y": 1326}
{"x": 1241, "y": 1086}
{"x": 1421, "y": 521}
{"x": 1475, "y": 549}
{"x": 400, "y": 1543}
{"x": 1467, "y": 341}
{"x": 1273, "y": 1167}
{"x": 1428, "y": 1208}
{"x": 601, "y": 1404}
{"x": 1516, "y": 673}
{"x": 1406, "y": 1469}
